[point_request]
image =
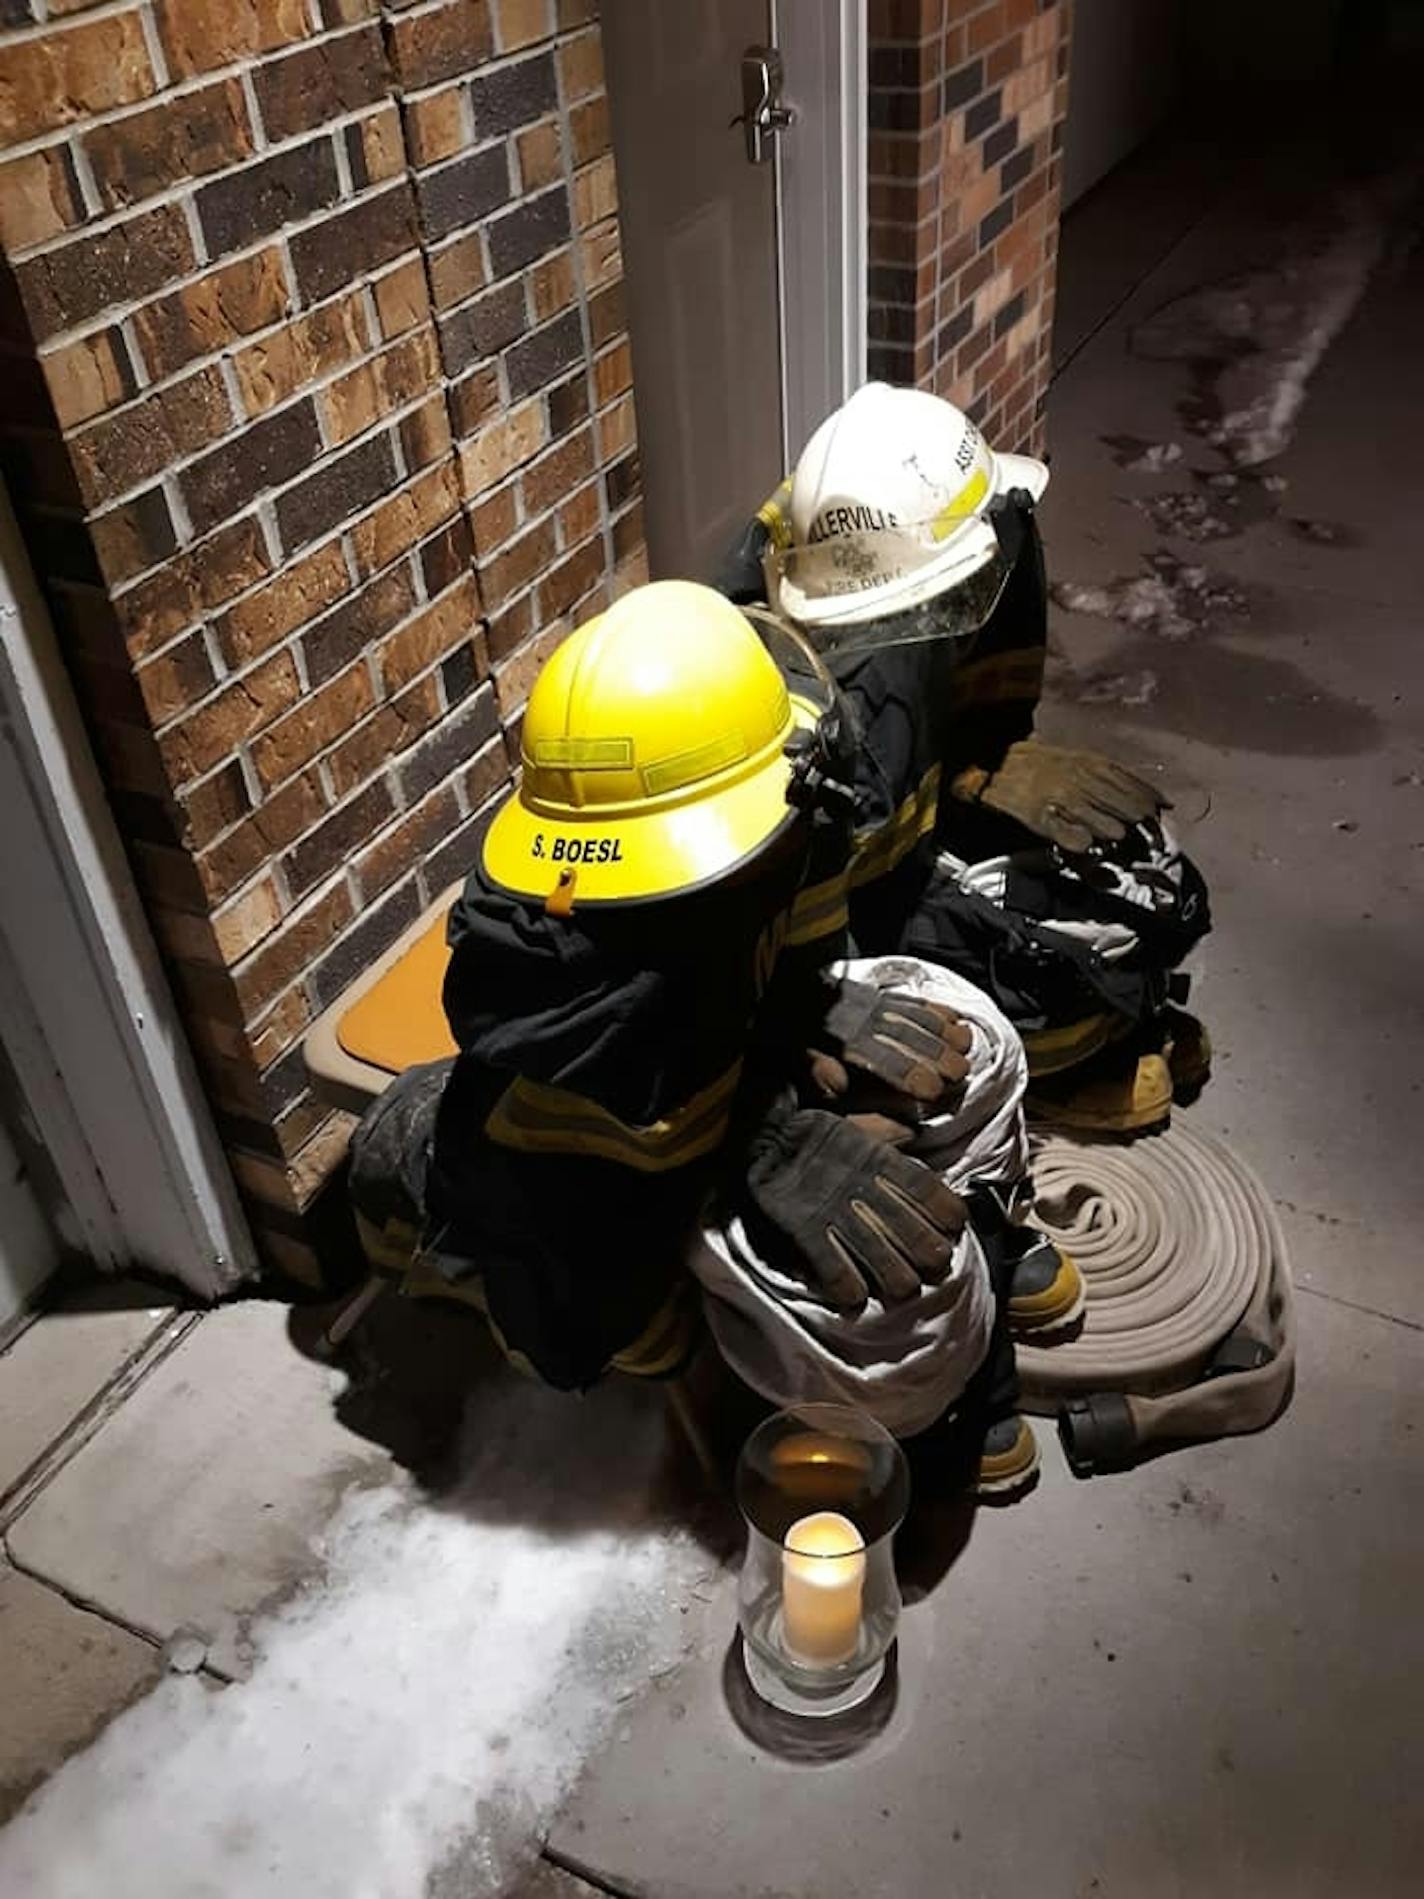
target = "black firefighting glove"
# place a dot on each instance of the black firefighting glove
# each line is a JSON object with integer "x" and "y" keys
{"x": 1074, "y": 799}
{"x": 882, "y": 1049}
{"x": 830, "y": 1204}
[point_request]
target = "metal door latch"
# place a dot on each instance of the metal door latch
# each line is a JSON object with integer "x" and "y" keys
{"x": 762, "y": 113}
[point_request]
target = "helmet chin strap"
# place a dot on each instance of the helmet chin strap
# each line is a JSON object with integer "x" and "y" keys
{"x": 823, "y": 759}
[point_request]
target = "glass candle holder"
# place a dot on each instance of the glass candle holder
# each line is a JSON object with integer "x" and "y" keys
{"x": 823, "y": 1489}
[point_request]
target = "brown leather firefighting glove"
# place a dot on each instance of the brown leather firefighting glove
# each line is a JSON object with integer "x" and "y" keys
{"x": 827, "y": 1202}
{"x": 882, "y": 1049}
{"x": 1074, "y": 799}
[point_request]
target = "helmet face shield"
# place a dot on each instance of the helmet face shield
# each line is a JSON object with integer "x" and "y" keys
{"x": 857, "y": 592}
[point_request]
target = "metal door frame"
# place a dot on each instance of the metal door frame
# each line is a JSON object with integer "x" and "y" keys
{"x": 821, "y": 211}
{"x": 90, "y": 1029}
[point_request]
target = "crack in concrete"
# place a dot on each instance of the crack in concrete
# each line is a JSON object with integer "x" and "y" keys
{"x": 1357, "y": 1305}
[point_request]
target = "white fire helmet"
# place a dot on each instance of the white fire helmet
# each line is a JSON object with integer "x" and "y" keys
{"x": 889, "y": 536}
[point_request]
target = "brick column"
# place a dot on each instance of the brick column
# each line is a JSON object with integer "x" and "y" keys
{"x": 966, "y": 110}
{"x": 317, "y": 414}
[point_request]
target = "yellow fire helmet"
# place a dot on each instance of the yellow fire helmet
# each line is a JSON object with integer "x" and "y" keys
{"x": 654, "y": 754}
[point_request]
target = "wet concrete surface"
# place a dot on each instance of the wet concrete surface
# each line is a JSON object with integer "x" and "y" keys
{"x": 1201, "y": 1675}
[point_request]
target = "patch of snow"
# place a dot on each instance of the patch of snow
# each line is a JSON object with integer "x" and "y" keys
{"x": 1264, "y": 332}
{"x": 1170, "y": 601}
{"x": 1120, "y": 689}
{"x": 413, "y": 1717}
{"x": 1189, "y": 514}
{"x": 1154, "y": 458}
{"x": 1320, "y": 533}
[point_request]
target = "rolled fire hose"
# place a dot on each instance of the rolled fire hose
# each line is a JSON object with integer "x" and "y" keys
{"x": 1189, "y": 1327}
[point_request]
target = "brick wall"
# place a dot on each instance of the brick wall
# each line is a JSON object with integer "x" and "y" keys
{"x": 966, "y": 110}
{"x": 317, "y": 411}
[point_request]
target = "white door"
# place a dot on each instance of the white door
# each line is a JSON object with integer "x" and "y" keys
{"x": 741, "y": 341}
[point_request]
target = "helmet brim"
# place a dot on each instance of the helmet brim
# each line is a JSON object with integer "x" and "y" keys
{"x": 647, "y": 854}
{"x": 1020, "y": 471}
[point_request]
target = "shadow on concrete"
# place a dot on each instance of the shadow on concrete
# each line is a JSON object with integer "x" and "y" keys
{"x": 1220, "y": 695}
{"x": 807, "y": 1740}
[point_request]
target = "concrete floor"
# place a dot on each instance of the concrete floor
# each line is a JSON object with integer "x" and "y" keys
{"x": 1203, "y": 1675}
{"x": 1204, "y": 1672}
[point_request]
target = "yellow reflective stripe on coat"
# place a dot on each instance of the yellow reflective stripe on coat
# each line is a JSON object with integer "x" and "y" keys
{"x": 998, "y": 678}
{"x": 819, "y": 910}
{"x": 665, "y": 1343}
{"x": 877, "y": 852}
{"x": 539, "y": 1119}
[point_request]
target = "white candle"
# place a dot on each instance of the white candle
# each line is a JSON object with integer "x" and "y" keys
{"x": 822, "y": 1577}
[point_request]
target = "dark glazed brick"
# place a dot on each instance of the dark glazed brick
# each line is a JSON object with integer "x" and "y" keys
{"x": 335, "y": 839}
{"x": 463, "y": 193}
{"x": 283, "y": 1081}
{"x": 459, "y": 672}
{"x": 981, "y": 116}
{"x": 449, "y": 745}
{"x": 889, "y": 284}
{"x": 568, "y": 405}
{"x": 445, "y": 556}
{"x": 331, "y": 253}
{"x": 364, "y": 942}
{"x": 263, "y": 197}
{"x": 1000, "y": 142}
{"x": 267, "y": 452}
{"x": 456, "y": 857}
{"x": 540, "y": 357}
{"x": 887, "y": 364}
{"x": 336, "y": 639}
{"x": 955, "y": 330}
{"x": 356, "y": 157}
{"x": 891, "y": 323}
{"x": 75, "y": 281}
{"x": 621, "y": 481}
{"x": 894, "y": 66}
{"x": 1009, "y": 315}
{"x": 962, "y": 85}
{"x": 999, "y": 219}
{"x": 894, "y": 112}
{"x": 320, "y": 83}
{"x": 335, "y": 491}
{"x": 131, "y": 537}
{"x": 527, "y": 232}
{"x": 513, "y": 95}
{"x": 483, "y": 327}
{"x": 1014, "y": 170}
